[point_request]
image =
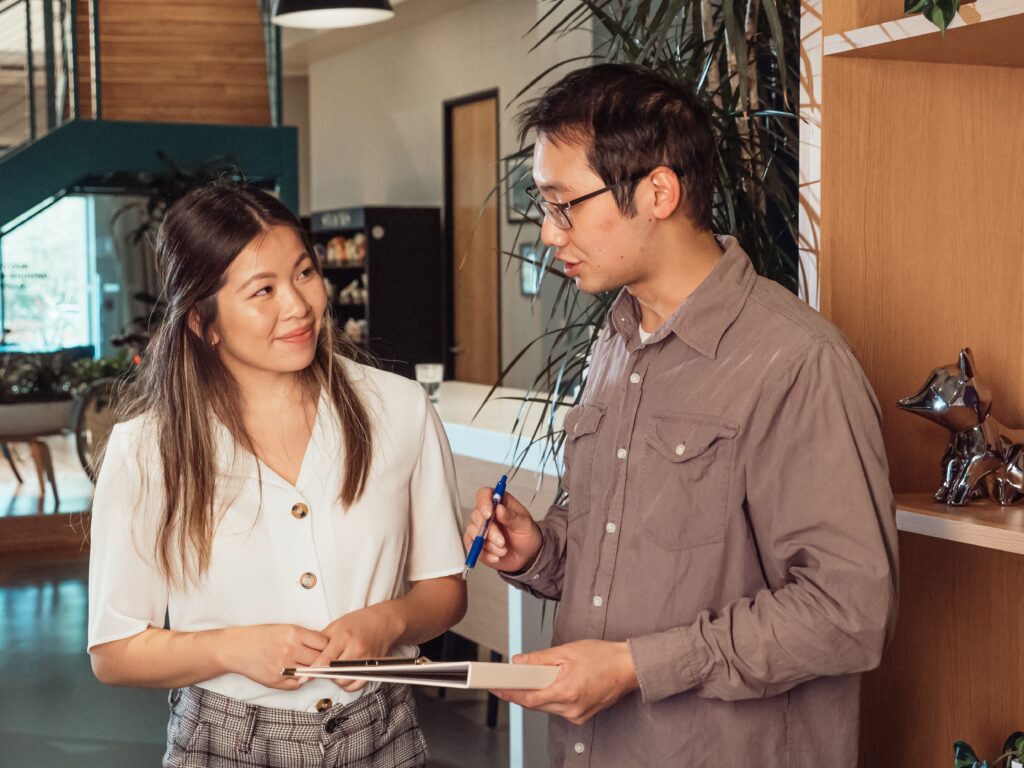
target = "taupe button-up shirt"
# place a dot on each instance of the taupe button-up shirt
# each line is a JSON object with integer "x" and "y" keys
{"x": 729, "y": 514}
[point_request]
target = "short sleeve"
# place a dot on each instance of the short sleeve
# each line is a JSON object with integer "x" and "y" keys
{"x": 436, "y": 543}
{"x": 127, "y": 594}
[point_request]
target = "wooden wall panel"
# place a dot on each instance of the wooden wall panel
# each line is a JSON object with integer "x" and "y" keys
{"x": 955, "y": 666}
{"x": 196, "y": 61}
{"x": 83, "y": 53}
{"x": 923, "y": 252}
{"x": 922, "y": 194}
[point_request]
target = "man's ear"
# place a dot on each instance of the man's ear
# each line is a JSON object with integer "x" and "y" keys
{"x": 668, "y": 192}
{"x": 196, "y": 327}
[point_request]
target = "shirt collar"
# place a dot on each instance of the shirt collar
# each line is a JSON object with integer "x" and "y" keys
{"x": 706, "y": 314}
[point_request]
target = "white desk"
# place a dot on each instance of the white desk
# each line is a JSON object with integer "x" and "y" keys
{"x": 501, "y": 618}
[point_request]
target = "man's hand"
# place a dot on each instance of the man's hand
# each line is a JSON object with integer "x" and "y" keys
{"x": 514, "y": 538}
{"x": 594, "y": 675}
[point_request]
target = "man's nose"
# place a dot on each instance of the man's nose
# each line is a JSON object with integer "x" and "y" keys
{"x": 552, "y": 235}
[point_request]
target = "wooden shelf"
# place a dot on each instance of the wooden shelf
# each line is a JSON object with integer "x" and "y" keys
{"x": 981, "y": 524}
{"x": 986, "y": 33}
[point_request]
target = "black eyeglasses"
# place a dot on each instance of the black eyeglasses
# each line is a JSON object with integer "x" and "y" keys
{"x": 559, "y": 212}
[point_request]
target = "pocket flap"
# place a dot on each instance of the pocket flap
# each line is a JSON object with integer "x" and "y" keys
{"x": 683, "y": 436}
{"x": 583, "y": 420}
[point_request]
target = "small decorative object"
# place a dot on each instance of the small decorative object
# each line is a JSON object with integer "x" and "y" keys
{"x": 530, "y": 270}
{"x": 518, "y": 178}
{"x": 964, "y": 755}
{"x": 983, "y": 458}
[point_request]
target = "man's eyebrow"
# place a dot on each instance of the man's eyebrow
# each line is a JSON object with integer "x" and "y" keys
{"x": 267, "y": 275}
{"x": 552, "y": 187}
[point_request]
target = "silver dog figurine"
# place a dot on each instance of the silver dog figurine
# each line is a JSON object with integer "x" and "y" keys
{"x": 983, "y": 458}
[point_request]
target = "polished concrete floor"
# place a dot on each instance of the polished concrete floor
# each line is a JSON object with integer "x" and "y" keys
{"x": 53, "y": 712}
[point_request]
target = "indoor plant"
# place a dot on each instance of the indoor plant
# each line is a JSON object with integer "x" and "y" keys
{"x": 741, "y": 59}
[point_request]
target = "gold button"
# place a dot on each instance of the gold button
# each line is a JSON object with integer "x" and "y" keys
{"x": 323, "y": 705}
{"x": 299, "y": 511}
{"x": 308, "y": 580}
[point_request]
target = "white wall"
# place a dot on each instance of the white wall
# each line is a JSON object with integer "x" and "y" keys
{"x": 295, "y": 111}
{"x": 376, "y": 120}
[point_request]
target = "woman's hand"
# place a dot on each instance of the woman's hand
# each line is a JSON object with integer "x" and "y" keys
{"x": 260, "y": 652}
{"x": 514, "y": 538}
{"x": 369, "y": 633}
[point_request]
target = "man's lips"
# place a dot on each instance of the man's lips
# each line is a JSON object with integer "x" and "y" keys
{"x": 297, "y": 336}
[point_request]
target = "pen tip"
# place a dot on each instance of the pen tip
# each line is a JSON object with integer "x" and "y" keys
{"x": 465, "y": 572}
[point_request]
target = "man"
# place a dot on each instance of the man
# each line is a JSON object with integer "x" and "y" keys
{"x": 726, "y": 560}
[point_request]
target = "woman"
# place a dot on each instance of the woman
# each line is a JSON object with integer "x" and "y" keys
{"x": 280, "y": 504}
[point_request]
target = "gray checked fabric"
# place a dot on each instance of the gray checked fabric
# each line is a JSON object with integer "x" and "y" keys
{"x": 209, "y": 730}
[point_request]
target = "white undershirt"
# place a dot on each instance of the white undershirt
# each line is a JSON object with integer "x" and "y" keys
{"x": 404, "y": 528}
{"x": 644, "y": 335}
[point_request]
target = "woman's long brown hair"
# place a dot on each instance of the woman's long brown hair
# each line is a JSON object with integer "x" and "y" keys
{"x": 183, "y": 388}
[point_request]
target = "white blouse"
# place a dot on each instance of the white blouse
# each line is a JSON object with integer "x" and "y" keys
{"x": 300, "y": 557}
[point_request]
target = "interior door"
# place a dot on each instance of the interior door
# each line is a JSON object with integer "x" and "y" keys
{"x": 471, "y": 140}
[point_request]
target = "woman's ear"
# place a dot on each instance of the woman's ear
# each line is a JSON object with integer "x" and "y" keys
{"x": 196, "y": 327}
{"x": 668, "y": 192}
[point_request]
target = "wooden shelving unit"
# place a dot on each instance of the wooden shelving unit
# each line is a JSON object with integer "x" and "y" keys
{"x": 922, "y": 253}
{"x": 986, "y": 33}
{"x": 980, "y": 524}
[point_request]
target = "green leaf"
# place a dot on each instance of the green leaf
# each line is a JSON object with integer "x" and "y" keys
{"x": 914, "y": 6}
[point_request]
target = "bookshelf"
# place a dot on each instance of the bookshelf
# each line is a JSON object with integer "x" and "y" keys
{"x": 922, "y": 253}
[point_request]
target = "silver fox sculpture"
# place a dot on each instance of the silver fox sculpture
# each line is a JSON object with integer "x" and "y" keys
{"x": 983, "y": 458}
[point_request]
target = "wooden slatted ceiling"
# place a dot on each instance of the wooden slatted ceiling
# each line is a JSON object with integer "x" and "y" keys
{"x": 188, "y": 61}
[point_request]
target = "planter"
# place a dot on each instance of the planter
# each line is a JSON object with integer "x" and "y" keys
{"x": 34, "y": 419}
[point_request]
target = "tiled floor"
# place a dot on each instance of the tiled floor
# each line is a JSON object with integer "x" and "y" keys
{"x": 53, "y": 712}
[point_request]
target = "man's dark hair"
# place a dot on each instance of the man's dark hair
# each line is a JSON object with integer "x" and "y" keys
{"x": 631, "y": 120}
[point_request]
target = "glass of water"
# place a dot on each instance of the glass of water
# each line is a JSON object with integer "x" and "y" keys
{"x": 430, "y": 376}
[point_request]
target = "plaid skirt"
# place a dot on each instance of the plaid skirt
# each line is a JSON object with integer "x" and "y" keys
{"x": 378, "y": 730}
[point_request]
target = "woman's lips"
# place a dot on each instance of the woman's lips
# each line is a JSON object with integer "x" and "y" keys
{"x": 298, "y": 337}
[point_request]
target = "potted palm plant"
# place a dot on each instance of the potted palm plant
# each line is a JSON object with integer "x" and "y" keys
{"x": 741, "y": 59}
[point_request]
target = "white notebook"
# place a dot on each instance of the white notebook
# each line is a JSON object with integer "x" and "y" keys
{"x": 441, "y": 674}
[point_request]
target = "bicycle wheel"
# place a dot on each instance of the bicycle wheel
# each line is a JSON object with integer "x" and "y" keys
{"x": 94, "y": 418}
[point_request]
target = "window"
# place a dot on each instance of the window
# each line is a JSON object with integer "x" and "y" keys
{"x": 47, "y": 271}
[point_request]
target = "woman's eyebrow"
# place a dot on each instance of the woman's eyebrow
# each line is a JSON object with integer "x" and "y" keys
{"x": 268, "y": 275}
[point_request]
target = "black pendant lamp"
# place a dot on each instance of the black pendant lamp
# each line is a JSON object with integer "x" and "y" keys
{"x": 328, "y": 14}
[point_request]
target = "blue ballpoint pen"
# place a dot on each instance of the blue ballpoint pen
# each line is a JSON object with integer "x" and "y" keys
{"x": 478, "y": 542}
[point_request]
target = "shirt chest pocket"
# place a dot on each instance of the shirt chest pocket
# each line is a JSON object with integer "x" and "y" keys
{"x": 581, "y": 425}
{"x": 685, "y": 479}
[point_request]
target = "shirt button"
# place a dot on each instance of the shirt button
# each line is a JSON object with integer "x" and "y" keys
{"x": 598, "y": 601}
{"x": 634, "y": 379}
{"x": 299, "y": 511}
{"x": 308, "y": 580}
{"x": 610, "y": 527}
{"x": 579, "y": 748}
{"x": 680, "y": 449}
{"x": 621, "y": 453}
{"x": 323, "y": 705}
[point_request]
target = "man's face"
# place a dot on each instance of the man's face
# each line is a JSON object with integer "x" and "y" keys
{"x": 603, "y": 250}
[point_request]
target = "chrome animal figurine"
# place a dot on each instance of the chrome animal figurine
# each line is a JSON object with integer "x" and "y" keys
{"x": 983, "y": 458}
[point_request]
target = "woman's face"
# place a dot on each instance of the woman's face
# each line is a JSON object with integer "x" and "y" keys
{"x": 270, "y": 307}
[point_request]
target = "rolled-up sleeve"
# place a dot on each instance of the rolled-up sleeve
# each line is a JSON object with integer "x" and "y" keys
{"x": 822, "y": 516}
{"x": 127, "y": 593}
